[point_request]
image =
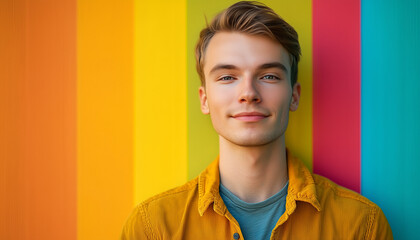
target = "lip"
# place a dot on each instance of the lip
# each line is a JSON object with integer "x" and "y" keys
{"x": 249, "y": 116}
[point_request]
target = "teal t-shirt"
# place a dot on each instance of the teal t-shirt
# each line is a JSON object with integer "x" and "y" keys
{"x": 256, "y": 220}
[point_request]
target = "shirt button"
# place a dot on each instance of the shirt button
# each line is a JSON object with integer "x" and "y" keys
{"x": 236, "y": 236}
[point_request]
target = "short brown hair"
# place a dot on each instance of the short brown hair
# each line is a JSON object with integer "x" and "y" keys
{"x": 253, "y": 18}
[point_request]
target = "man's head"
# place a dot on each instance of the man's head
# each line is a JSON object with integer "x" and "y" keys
{"x": 247, "y": 74}
{"x": 251, "y": 18}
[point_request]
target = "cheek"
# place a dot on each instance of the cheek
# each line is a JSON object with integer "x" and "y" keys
{"x": 279, "y": 99}
{"x": 219, "y": 98}
{"x": 218, "y": 103}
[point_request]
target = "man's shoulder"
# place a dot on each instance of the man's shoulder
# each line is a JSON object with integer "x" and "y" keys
{"x": 321, "y": 192}
{"x": 350, "y": 208}
{"x": 328, "y": 190}
{"x": 177, "y": 195}
{"x": 169, "y": 206}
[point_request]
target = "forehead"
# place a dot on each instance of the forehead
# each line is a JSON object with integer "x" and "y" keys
{"x": 244, "y": 51}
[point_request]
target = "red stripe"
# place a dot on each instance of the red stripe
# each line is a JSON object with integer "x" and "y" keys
{"x": 336, "y": 91}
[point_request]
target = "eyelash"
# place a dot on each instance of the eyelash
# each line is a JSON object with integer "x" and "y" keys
{"x": 272, "y": 77}
{"x": 223, "y": 78}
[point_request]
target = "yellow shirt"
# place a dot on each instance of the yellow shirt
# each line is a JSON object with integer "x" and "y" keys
{"x": 316, "y": 208}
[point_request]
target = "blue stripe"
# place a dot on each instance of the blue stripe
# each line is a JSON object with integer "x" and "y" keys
{"x": 391, "y": 111}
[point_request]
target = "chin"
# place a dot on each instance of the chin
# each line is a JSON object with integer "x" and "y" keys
{"x": 251, "y": 141}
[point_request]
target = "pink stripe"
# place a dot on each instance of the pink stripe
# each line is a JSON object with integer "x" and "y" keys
{"x": 336, "y": 86}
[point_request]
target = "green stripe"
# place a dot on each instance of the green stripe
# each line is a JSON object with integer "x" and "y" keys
{"x": 202, "y": 139}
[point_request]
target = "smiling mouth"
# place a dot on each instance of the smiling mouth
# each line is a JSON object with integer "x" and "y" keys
{"x": 249, "y": 116}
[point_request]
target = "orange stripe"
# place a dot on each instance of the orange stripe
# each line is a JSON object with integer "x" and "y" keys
{"x": 12, "y": 32}
{"x": 105, "y": 112}
{"x": 41, "y": 160}
{"x": 50, "y": 120}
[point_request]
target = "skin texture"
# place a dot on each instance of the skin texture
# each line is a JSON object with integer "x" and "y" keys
{"x": 248, "y": 95}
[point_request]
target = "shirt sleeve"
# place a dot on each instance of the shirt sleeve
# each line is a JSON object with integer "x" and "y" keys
{"x": 137, "y": 226}
{"x": 380, "y": 227}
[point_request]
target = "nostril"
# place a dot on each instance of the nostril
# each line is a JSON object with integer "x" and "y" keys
{"x": 257, "y": 100}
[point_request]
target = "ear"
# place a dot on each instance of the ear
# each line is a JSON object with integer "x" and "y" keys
{"x": 203, "y": 100}
{"x": 295, "y": 97}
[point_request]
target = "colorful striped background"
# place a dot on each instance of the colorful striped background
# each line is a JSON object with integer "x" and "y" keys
{"x": 99, "y": 107}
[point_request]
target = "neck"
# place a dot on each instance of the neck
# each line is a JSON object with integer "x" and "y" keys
{"x": 253, "y": 173}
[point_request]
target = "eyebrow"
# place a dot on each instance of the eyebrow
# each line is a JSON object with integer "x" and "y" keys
{"x": 263, "y": 66}
{"x": 274, "y": 65}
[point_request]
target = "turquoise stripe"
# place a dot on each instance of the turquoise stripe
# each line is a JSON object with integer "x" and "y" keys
{"x": 391, "y": 111}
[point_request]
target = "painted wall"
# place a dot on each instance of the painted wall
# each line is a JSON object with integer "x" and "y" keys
{"x": 99, "y": 107}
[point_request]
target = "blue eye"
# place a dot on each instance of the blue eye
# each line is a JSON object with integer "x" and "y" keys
{"x": 271, "y": 77}
{"x": 225, "y": 78}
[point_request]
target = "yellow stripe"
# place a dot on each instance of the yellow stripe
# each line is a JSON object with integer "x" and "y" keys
{"x": 160, "y": 97}
{"x": 105, "y": 117}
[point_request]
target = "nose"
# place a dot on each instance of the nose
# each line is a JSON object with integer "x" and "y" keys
{"x": 249, "y": 92}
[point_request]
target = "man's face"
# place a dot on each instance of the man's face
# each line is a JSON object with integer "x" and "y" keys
{"x": 248, "y": 92}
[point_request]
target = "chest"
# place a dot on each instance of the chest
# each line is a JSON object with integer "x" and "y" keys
{"x": 301, "y": 224}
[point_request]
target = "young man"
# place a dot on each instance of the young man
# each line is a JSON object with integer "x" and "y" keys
{"x": 247, "y": 61}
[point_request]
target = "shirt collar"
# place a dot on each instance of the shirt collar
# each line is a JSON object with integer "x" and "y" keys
{"x": 208, "y": 189}
{"x": 301, "y": 186}
{"x": 301, "y": 182}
